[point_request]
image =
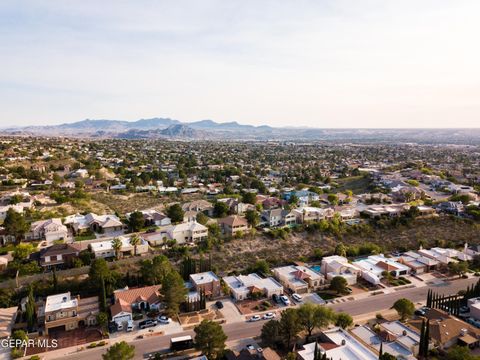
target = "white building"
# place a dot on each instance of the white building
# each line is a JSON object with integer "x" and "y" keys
{"x": 336, "y": 265}
{"x": 50, "y": 230}
{"x": 104, "y": 249}
{"x": 298, "y": 278}
{"x": 242, "y": 286}
{"x": 188, "y": 232}
{"x": 93, "y": 222}
{"x": 374, "y": 266}
{"x": 338, "y": 345}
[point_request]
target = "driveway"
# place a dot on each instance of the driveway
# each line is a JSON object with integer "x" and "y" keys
{"x": 229, "y": 311}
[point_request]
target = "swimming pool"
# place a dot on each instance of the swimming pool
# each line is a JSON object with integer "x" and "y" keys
{"x": 316, "y": 268}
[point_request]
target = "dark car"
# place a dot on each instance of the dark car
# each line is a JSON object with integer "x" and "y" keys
{"x": 276, "y": 298}
{"x": 219, "y": 304}
{"x": 112, "y": 327}
{"x": 147, "y": 323}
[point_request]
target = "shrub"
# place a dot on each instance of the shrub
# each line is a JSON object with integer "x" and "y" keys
{"x": 92, "y": 345}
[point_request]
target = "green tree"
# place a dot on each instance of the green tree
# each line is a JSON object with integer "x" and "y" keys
{"x": 210, "y": 339}
{"x": 30, "y": 309}
{"x": 404, "y": 308}
{"x": 341, "y": 250}
{"x": 252, "y": 217}
{"x": 461, "y": 353}
{"x": 99, "y": 270}
{"x": 22, "y": 251}
{"x": 333, "y": 199}
{"x": 387, "y": 356}
{"x": 175, "y": 213}
{"x": 343, "y": 320}
{"x": 174, "y": 292}
{"x": 249, "y": 198}
{"x": 155, "y": 271}
{"x": 202, "y": 218}
{"x": 136, "y": 221}
{"x": 135, "y": 241}
{"x": 15, "y": 224}
{"x": 102, "y": 319}
{"x": 120, "y": 351}
{"x": 261, "y": 266}
{"x": 458, "y": 268}
{"x": 311, "y": 316}
{"x": 220, "y": 209}
{"x": 289, "y": 326}
{"x": 117, "y": 246}
{"x": 271, "y": 333}
{"x": 339, "y": 284}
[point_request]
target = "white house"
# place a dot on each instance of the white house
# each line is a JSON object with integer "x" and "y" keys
{"x": 298, "y": 278}
{"x": 336, "y": 265}
{"x": 50, "y": 230}
{"x": 242, "y": 286}
{"x": 188, "y": 232}
{"x": 377, "y": 264}
{"x": 104, "y": 249}
{"x": 93, "y": 222}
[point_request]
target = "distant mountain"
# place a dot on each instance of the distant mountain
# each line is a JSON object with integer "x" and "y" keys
{"x": 209, "y": 129}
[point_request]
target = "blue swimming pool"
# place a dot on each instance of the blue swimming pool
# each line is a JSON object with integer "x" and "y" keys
{"x": 316, "y": 268}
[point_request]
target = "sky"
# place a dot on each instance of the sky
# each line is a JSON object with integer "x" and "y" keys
{"x": 318, "y": 63}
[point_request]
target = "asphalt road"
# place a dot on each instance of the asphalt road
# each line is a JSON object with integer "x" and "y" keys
{"x": 237, "y": 331}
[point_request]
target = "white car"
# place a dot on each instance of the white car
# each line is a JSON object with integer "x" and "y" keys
{"x": 297, "y": 297}
{"x": 163, "y": 319}
{"x": 285, "y": 300}
{"x": 254, "y": 318}
{"x": 269, "y": 316}
{"x": 130, "y": 326}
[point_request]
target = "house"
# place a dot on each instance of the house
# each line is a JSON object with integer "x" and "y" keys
{"x": 127, "y": 300}
{"x": 394, "y": 337}
{"x": 157, "y": 238}
{"x": 237, "y": 207}
{"x": 474, "y": 306}
{"x": 377, "y": 211}
{"x": 279, "y": 217}
{"x": 337, "y": 344}
{"x": 447, "y": 331}
{"x": 207, "y": 282}
{"x": 92, "y": 222}
{"x": 188, "y": 232}
{"x": 66, "y": 312}
{"x": 298, "y": 278}
{"x": 377, "y": 264}
{"x": 58, "y": 255}
{"x": 452, "y": 207}
{"x": 199, "y": 206}
{"x": 154, "y": 217}
{"x": 443, "y": 258}
{"x": 233, "y": 224}
{"x": 5, "y": 238}
{"x": 49, "y": 230}
{"x": 243, "y": 286}
{"x": 79, "y": 173}
{"x": 335, "y": 265}
{"x": 417, "y": 263}
{"x": 308, "y": 213}
{"x": 4, "y": 209}
{"x": 7, "y": 320}
{"x": 304, "y": 196}
{"x": 104, "y": 249}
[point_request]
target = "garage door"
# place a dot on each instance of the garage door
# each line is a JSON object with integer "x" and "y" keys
{"x": 122, "y": 319}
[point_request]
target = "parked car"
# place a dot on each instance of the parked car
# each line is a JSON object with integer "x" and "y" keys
{"x": 254, "y": 318}
{"x": 284, "y": 299}
{"x": 162, "y": 319}
{"x": 419, "y": 312}
{"x": 219, "y": 304}
{"x": 112, "y": 327}
{"x": 130, "y": 325}
{"x": 276, "y": 298}
{"x": 269, "y": 316}
{"x": 464, "y": 309}
{"x": 147, "y": 323}
{"x": 297, "y": 297}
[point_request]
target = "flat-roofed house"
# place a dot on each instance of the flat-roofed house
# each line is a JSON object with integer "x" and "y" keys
{"x": 242, "y": 286}
{"x": 207, "y": 282}
{"x": 336, "y": 265}
{"x": 104, "y": 249}
{"x": 298, "y": 278}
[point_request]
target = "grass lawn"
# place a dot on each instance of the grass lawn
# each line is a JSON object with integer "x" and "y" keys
{"x": 327, "y": 295}
{"x": 84, "y": 237}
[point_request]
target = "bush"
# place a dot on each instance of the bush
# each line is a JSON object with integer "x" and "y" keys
{"x": 92, "y": 345}
{"x": 101, "y": 343}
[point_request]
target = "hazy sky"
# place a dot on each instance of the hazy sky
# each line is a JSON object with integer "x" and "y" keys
{"x": 339, "y": 63}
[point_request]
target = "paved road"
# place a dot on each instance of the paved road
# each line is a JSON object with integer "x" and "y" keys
{"x": 236, "y": 331}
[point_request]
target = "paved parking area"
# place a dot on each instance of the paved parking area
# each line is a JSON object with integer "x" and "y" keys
{"x": 229, "y": 311}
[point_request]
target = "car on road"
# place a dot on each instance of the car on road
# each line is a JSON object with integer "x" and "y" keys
{"x": 297, "y": 297}
{"x": 162, "y": 319}
{"x": 285, "y": 300}
{"x": 147, "y": 323}
{"x": 254, "y": 318}
{"x": 269, "y": 316}
{"x": 219, "y": 304}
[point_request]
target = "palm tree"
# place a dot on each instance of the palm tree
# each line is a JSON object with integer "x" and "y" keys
{"x": 116, "y": 246}
{"x": 134, "y": 241}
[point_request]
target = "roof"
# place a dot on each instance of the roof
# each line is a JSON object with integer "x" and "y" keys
{"x": 61, "y": 249}
{"x": 120, "y": 306}
{"x": 7, "y": 317}
{"x": 204, "y": 278}
{"x": 233, "y": 220}
{"x": 130, "y": 296}
{"x": 60, "y": 301}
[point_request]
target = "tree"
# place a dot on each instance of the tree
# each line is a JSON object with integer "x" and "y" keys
{"x": 289, "y": 326}
{"x": 99, "y": 270}
{"x": 136, "y": 221}
{"x": 202, "y": 218}
{"x": 22, "y": 251}
{"x": 341, "y": 250}
{"x": 102, "y": 319}
{"x": 174, "y": 292}
{"x": 271, "y": 333}
{"x": 404, "y": 308}
{"x": 249, "y": 198}
{"x": 252, "y": 217}
{"x": 458, "y": 268}
{"x": 343, "y": 320}
{"x": 261, "y": 266}
{"x": 311, "y": 316}
{"x": 135, "y": 241}
{"x": 333, "y": 199}
{"x": 116, "y": 246}
{"x": 461, "y": 353}
{"x": 154, "y": 271}
{"x": 339, "y": 284}
{"x": 220, "y": 209}
{"x": 175, "y": 213}
{"x": 120, "y": 351}
{"x": 210, "y": 339}
{"x": 30, "y": 309}
{"x": 15, "y": 224}
{"x": 387, "y": 356}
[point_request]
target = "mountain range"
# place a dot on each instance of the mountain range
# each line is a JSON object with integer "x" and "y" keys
{"x": 166, "y": 128}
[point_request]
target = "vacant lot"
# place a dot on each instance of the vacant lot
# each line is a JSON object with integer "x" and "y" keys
{"x": 445, "y": 231}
